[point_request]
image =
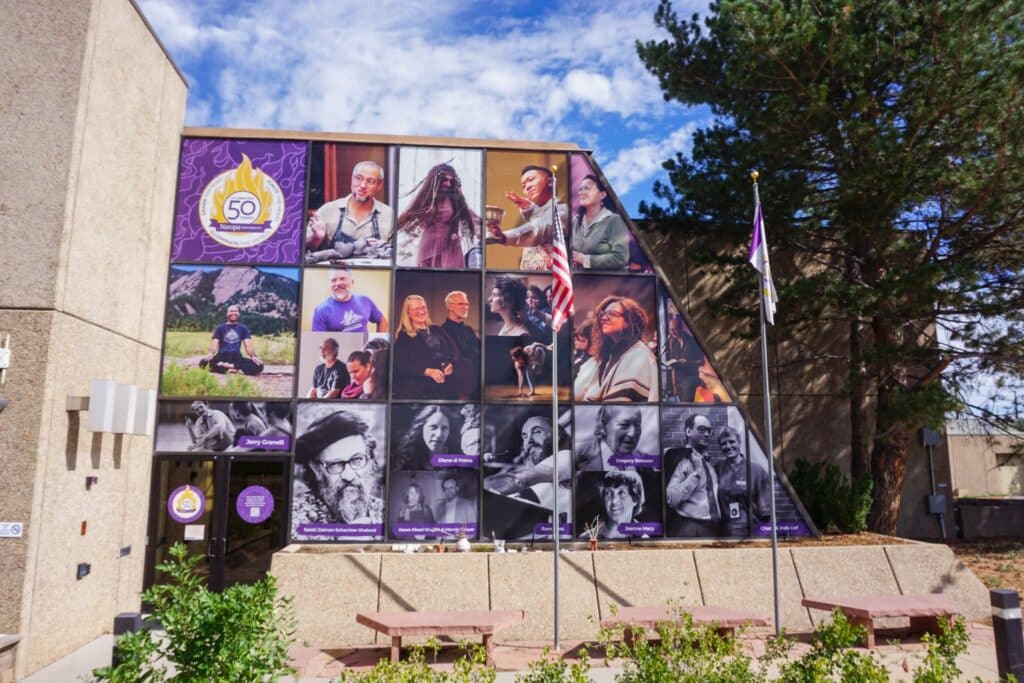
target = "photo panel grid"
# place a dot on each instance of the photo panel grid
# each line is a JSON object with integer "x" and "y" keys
{"x": 687, "y": 375}
{"x": 518, "y": 490}
{"x": 348, "y": 219}
{"x": 600, "y": 237}
{"x": 437, "y": 336}
{"x": 521, "y": 206}
{"x": 230, "y": 331}
{"x": 440, "y": 203}
{"x": 702, "y": 452}
{"x": 618, "y": 315}
{"x": 517, "y": 324}
{"x": 434, "y": 504}
{"x": 238, "y": 426}
{"x": 339, "y": 472}
{"x": 239, "y": 201}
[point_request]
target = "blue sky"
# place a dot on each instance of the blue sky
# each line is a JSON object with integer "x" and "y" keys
{"x": 562, "y": 70}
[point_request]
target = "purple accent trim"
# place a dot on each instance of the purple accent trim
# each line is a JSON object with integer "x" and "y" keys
{"x": 789, "y": 527}
{"x": 411, "y": 529}
{"x": 454, "y": 460}
{"x": 544, "y": 529}
{"x": 186, "y": 516}
{"x": 265, "y": 443}
{"x": 636, "y": 460}
{"x": 366, "y": 530}
{"x": 254, "y": 504}
{"x": 640, "y": 528}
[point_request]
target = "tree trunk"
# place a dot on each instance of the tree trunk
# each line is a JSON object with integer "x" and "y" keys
{"x": 860, "y": 457}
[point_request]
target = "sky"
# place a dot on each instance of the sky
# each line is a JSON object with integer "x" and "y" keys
{"x": 563, "y": 70}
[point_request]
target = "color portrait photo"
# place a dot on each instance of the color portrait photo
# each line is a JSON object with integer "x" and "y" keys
{"x": 230, "y": 331}
{"x": 517, "y": 323}
{"x": 521, "y": 207}
{"x": 615, "y": 339}
{"x": 437, "y": 336}
{"x": 687, "y": 375}
{"x": 349, "y": 220}
{"x": 439, "y": 208}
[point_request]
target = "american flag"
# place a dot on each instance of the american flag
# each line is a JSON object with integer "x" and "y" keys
{"x": 561, "y": 290}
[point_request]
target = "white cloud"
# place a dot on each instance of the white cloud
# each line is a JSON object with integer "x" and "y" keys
{"x": 644, "y": 158}
{"x": 418, "y": 68}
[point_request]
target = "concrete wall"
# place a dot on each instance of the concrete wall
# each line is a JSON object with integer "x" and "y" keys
{"x": 88, "y": 165}
{"x": 810, "y": 415}
{"x": 591, "y": 582}
{"x": 984, "y": 464}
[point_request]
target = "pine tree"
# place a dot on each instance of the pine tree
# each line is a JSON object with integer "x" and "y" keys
{"x": 890, "y": 140}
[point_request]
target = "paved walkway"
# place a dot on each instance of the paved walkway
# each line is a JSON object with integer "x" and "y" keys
{"x": 320, "y": 665}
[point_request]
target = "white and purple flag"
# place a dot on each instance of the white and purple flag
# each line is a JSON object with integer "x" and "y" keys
{"x": 758, "y": 258}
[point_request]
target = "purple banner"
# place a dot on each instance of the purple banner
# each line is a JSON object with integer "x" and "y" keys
{"x": 544, "y": 529}
{"x": 239, "y": 201}
{"x": 636, "y": 460}
{"x": 410, "y": 530}
{"x": 361, "y": 530}
{"x": 789, "y": 527}
{"x": 265, "y": 443}
{"x": 454, "y": 460}
{"x": 640, "y": 528}
{"x": 254, "y": 504}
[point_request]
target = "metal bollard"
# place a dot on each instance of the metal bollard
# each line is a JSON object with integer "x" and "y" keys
{"x": 1006, "y": 624}
{"x": 125, "y": 622}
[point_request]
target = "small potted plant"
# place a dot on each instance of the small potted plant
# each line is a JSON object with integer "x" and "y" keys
{"x": 499, "y": 543}
{"x": 592, "y": 530}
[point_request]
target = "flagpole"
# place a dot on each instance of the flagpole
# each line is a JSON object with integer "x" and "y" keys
{"x": 555, "y": 530}
{"x": 763, "y": 290}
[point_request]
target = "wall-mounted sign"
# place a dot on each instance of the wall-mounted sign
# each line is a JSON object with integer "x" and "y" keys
{"x": 186, "y": 504}
{"x": 11, "y": 529}
{"x": 254, "y": 504}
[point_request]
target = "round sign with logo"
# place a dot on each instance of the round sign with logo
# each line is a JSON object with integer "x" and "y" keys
{"x": 186, "y": 504}
{"x": 254, "y": 504}
{"x": 242, "y": 207}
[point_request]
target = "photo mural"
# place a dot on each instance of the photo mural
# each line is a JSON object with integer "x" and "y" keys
{"x": 379, "y": 314}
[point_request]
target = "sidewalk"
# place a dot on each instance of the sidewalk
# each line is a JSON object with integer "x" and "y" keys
{"x": 321, "y": 665}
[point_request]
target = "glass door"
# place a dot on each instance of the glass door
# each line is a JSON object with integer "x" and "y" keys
{"x": 183, "y": 508}
{"x": 255, "y": 516}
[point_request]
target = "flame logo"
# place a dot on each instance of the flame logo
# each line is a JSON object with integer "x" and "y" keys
{"x": 188, "y": 501}
{"x": 245, "y": 179}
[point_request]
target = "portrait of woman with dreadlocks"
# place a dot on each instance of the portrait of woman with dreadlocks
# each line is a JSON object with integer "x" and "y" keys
{"x": 438, "y": 228}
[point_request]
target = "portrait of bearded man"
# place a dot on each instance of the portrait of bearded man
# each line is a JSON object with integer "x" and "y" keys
{"x": 339, "y": 481}
{"x": 438, "y": 228}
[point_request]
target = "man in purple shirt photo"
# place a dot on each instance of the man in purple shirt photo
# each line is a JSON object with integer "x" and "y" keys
{"x": 345, "y": 311}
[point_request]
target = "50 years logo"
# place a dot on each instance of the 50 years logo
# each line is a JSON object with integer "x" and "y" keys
{"x": 241, "y": 207}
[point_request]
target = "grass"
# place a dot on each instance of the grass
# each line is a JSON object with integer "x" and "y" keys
{"x": 179, "y": 381}
{"x": 274, "y": 349}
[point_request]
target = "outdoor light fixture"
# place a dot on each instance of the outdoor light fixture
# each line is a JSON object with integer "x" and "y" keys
{"x": 117, "y": 408}
{"x": 3, "y": 403}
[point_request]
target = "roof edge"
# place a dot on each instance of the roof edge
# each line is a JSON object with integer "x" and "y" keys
{"x": 373, "y": 138}
{"x": 160, "y": 43}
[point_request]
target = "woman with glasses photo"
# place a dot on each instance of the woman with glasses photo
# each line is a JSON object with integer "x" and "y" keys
{"x": 621, "y": 367}
{"x": 424, "y": 354}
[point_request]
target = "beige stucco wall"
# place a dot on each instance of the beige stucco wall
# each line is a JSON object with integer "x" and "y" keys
{"x": 976, "y": 469}
{"x": 87, "y": 164}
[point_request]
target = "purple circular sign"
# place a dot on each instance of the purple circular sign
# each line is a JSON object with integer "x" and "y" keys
{"x": 254, "y": 504}
{"x": 186, "y": 504}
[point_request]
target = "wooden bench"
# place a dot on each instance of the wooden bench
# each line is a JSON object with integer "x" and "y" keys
{"x": 725, "y": 620}
{"x": 470, "y": 622}
{"x": 925, "y": 611}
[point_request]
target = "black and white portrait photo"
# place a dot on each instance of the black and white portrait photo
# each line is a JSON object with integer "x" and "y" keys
{"x": 338, "y": 491}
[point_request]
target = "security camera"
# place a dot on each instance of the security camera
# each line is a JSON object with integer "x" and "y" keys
{"x": 3, "y": 403}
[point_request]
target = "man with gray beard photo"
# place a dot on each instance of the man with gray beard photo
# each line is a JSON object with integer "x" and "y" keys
{"x": 335, "y": 460}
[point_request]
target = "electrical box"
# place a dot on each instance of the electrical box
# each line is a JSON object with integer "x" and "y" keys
{"x": 936, "y": 505}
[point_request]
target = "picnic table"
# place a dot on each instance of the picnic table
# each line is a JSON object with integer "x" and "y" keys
{"x": 925, "y": 610}
{"x": 440, "y": 623}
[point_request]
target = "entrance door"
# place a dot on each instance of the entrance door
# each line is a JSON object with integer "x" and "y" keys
{"x": 229, "y": 509}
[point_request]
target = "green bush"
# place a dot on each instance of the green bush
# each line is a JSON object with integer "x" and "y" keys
{"x": 832, "y": 501}
{"x": 469, "y": 668}
{"x": 240, "y": 634}
{"x": 832, "y": 659}
{"x": 557, "y": 670}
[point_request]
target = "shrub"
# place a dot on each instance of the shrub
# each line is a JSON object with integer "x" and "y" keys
{"x": 833, "y": 502}
{"x": 548, "y": 670}
{"x": 832, "y": 659}
{"x": 240, "y": 634}
{"x": 469, "y": 668}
